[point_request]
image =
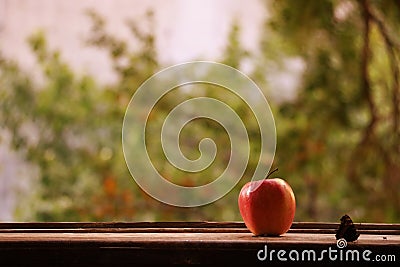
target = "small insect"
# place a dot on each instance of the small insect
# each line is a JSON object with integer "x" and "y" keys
{"x": 347, "y": 229}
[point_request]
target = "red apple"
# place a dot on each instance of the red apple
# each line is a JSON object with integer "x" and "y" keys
{"x": 267, "y": 206}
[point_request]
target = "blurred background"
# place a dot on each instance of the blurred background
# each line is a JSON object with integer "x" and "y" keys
{"x": 330, "y": 70}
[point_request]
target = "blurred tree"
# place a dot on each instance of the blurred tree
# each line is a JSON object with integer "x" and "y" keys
{"x": 338, "y": 136}
{"x": 70, "y": 127}
{"x": 234, "y": 53}
{"x": 338, "y": 140}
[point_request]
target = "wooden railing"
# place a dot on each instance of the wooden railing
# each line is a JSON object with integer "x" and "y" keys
{"x": 214, "y": 243}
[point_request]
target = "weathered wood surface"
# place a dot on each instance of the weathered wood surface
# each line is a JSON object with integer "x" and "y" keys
{"x": 116, "y": 244}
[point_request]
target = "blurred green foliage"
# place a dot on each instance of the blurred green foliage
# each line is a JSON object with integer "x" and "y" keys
{"x": 338, "y": 139}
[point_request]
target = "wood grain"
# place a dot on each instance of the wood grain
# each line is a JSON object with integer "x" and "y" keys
{"x": 163, "y": 243}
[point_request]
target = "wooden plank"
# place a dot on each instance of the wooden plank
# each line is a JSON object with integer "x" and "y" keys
{"x": 181, "y": 224}
{"x": 183, "y": 230}
{"x": 88, "y": 225}
{"x": 116, "y": 244}
{"x": 209, "y": 227}
{"x": 152, "y": 238}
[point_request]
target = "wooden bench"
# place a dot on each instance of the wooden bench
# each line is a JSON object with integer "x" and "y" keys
{"x": 214, "y": 243}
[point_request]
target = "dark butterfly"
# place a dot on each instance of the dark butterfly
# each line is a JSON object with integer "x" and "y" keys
{"x": 347, "y": 229}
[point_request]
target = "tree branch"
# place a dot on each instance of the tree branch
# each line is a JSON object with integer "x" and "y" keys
{"x": 366, "y": 91}
{"x": 391, "y": 46}
{"x": 365, "y": 79}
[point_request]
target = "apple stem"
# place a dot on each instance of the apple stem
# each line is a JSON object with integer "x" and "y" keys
{"x": 271, "y": 173}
